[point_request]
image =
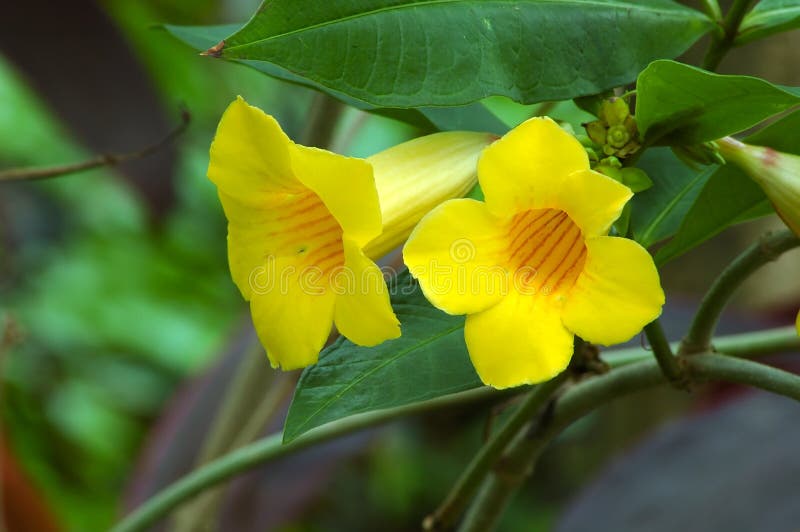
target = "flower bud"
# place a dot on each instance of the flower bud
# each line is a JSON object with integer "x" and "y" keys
{"x": 615, "y": 130}
{"x": 777, "y": 173}
{"x": 414, "y": 177}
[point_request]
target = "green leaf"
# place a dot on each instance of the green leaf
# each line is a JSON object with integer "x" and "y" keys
{"x": 429, "y": 360}
{"x": 417, "y": 53}
{"x": 657, "y": 213}
{"x": 681, "y": 104}
{"x": 730, "y": 197}
{"x": 767, "y": 18}
{"x": 472, "y": 117}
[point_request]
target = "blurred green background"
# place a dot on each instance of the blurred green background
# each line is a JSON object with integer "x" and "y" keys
{"x": 115, "y": 292}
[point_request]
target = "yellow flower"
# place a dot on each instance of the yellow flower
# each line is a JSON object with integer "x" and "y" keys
{"x": 532, "y": 266}
{"x": 300, "y": 218}
{"x": 778, "y": 174}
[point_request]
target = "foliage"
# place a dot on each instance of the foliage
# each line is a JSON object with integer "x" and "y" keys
{"x": 88, "y": 256}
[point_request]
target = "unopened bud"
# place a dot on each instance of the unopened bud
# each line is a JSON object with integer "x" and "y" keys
{"x": 777, "y": 173}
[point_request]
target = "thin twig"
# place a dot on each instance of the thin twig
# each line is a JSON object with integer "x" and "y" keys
{"x": 109, "y": 159}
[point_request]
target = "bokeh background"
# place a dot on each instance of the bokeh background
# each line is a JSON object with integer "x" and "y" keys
{"x": 120, "y": 327}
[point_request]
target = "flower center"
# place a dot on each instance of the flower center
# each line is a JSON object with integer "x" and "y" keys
{"x": 304, "y": 227}
{"x": 546, "y": 251}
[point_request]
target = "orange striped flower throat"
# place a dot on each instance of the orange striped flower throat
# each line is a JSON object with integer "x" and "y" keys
{"x": 546, "y": 251}
{"x": 303, "y": 226}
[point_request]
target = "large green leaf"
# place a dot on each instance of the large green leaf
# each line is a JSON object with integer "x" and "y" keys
{"x": 429, "y": 360}
{"x": 472, "y": 117}
{"x": 730, "y": 197}
{"x": 657, "y": 212}
{"x": 417, "y": 53}
{"x": 768, "y": 17}
{"x": 677, "y": 103}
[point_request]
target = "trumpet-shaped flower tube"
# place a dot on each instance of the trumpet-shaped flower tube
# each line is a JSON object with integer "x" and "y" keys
{"x": 778, "y": 174}
{"x": 414, "y": 177}
{"x": 532, "y": 266}
{"x": 299, "y": 220}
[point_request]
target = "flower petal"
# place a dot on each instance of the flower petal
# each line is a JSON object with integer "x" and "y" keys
{"x": 247, "y": 251}
{"x": 456, "y": 254}
{"x": 363, "y": 312}
{"x": 345, "y": 185}
{"x": 250, "y": 154}
{"x": 297, "y": 226}
{"x": 593, "y": 201}
{"x": 616, "y": 295}
{"x": 521, "y": 340}
{"x": 525, "y": 169}
{"x": 292, "y": 315}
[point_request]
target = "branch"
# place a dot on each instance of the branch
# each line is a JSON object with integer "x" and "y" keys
{"x": 270, "y": 448}
{"x": 639, "y": 373}
{"x": 767, "y": 249}
{"x": 476, "y": 470}
{"x": 515, "y": 466}
{"x": 109, "y": 159}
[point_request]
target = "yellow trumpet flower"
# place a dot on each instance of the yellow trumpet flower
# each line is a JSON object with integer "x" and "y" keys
{"x": 300, "y": 219}
{"x": 532, "y": 265}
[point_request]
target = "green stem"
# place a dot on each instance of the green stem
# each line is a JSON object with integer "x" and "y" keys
{"x": 663, "y": 353}
{"x": 515, "y": 466}
{"x": 721, "y": 44}
{"x": 476, "y": 470}
{"x": 742, "y": 371}
{"x": 627, "y": 378}
{"x": 759, "y": 343}
{"x": 751, "y": 344}
{"x": 711, "y": 7}
{"x": 270, "y": 448}
{"x": 510, "y": 472}
{"x": 768, "y": 248}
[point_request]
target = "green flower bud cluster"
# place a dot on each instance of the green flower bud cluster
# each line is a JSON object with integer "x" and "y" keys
{"x": 634, "y": 178}
{"x": 614, "y": 132}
